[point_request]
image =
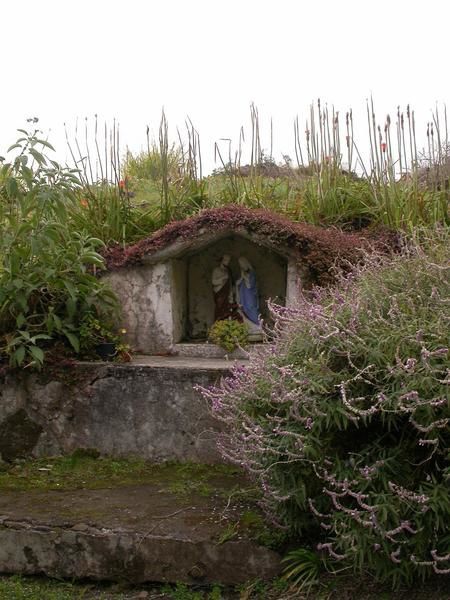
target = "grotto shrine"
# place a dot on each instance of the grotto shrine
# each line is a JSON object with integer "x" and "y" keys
{"x": 173, "y": 285}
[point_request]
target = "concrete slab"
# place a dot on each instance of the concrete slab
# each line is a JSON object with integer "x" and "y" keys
{"x": 216, "y": 362}
{"x": 186, "y": 362}
{"x": 207, "y": 350}
{"x": 150, "y": 407}
{"x": 135, "y": 534}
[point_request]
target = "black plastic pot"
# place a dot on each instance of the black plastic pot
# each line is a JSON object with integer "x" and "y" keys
{"x": 106, "y": 350}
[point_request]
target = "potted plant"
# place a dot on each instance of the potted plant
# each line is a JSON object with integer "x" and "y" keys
{"x": 98, "y": 339}
{"x": 123, "y": 351}
{"x": 106, "y": 350}
{"x": 229, "y": 334}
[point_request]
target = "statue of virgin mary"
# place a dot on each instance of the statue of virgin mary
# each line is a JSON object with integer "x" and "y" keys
{"x": 247, "y": 297}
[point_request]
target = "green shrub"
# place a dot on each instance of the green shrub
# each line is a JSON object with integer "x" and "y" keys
{"x": 229, "y": 334}
{"x": 344, "y": 421}
{"x": 47, "y": 280}
{"x": 149, "y": 165}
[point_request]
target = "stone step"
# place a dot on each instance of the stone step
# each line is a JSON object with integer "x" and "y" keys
{"x": 197, "y": 360}
{"x": 134, "y": 533}
{"x": 207, "y": 350}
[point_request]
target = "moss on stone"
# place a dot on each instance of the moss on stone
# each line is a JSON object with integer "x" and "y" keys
{"x": 84, "y": 469}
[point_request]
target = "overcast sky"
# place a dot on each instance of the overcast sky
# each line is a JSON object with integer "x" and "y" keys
{"x": 208, "y": 59}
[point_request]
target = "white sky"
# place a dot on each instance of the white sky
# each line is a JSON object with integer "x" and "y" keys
{"x": 208, "y": 59}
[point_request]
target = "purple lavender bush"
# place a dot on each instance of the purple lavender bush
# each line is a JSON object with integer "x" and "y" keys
{"x": 344, "y": 420}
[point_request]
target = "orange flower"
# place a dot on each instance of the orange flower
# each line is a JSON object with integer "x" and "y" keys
{"x": 122, "y": 184}
{"x": 84, "y": 202}
{"x": 383, "y": 147}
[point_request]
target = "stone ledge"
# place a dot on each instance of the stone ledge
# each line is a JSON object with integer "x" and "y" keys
{"x": 141, "y": 534}
{"x": 208, "y": 351}
{"x": 199, "y": 359}
{"x": 148, "y": 408}
{"x": 119, "y": 556}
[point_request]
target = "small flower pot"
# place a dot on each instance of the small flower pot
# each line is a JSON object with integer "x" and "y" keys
{"x": 106, "y": 350}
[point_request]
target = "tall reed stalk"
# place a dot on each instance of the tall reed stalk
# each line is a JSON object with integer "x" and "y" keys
{"x": 406, "y": 188}
{"x": 333, "y": 181}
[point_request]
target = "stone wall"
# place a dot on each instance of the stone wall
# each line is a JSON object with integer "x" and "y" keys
{"x": 145, "y": 298}
{"x": 120, "y": 410}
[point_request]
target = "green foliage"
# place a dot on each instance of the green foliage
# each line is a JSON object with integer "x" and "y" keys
{"x": 92, "y": 331}
{"x": 303, "y": 568}
{"x": 183, "y": 592}
{"x": 150, "y": 165}
{"x": 85, "y": 469}
{"x": 123, "y": 203}
{"x": 251, "y": 524}
{"x": 344, "y": 422}
{"x": 21, "y": 588}
{"x": 334, "y": 198}
{"x": 274, "y": 590}
{"x": 54, "y": 221}
{"x": 47, "y": 280}
{"x": 397, "y": 188}
{"x": 229, "y": 334}
{"x": 109, "y": 214}
{"x": 166, "y": 180}
{"x": 329, "y": 196}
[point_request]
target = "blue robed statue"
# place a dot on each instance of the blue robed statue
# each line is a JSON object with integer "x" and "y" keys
{"x": 247, "y": 296}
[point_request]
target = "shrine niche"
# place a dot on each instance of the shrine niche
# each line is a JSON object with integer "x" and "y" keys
{"x": 268, "y": 269}
{"x": 173, "y": 285}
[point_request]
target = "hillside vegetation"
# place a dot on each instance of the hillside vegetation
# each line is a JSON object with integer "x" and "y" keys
{"x": 55, "y": 222}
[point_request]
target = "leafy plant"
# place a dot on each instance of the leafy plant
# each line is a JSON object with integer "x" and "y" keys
{"x": 344, "y": 421}
{"x": 303, "y": 568}
{"x": 25, "y": 588}
{"x": 93, "y": 332}
{"x": 47, "y": 280}
{"x": 229, "y": 334}
{"x": 181, "y": 592}
{"x": 230, "y": 532}
{"x": 123, "y": 352}
{"x": 149, "y": 164}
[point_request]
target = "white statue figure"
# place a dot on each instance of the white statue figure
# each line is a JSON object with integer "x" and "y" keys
{"x": 247, "y": 298}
